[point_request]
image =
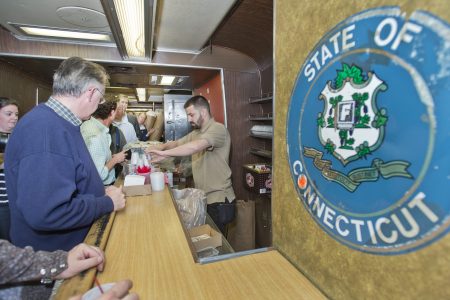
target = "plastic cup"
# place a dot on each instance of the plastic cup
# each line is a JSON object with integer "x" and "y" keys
{"x": 157, "y": 181}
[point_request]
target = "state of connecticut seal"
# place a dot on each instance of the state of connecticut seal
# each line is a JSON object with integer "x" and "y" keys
{"x": 368, "y": 131}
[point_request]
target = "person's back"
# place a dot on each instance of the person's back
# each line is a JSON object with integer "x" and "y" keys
{"x": 46, "y": 147}
{"x": 55, "y": 190}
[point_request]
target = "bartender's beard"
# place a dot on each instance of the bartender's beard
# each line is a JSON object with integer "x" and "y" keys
{"x": 198, "y": 124}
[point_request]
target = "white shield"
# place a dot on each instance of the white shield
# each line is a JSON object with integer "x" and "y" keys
{"x": 346, "y": 120}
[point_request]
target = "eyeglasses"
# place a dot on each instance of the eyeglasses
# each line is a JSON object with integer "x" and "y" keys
{"x": 102, "y": 100}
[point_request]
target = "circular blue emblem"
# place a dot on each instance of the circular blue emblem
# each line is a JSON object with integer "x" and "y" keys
{"x": 368, "y": 131}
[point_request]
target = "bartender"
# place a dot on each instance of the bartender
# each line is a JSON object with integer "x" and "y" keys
{"x": 209, "y": 146}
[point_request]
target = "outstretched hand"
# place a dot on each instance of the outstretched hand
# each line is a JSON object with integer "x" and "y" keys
{"x": 157, "y": 156}
{"x": 82, "y": 257}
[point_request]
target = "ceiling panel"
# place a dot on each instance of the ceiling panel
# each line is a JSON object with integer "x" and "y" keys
{"x": 186, "y": 25}
{"x": 45, "y": 13}
{"x": 180, "y": 25}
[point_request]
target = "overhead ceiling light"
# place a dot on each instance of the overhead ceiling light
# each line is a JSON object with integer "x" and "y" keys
{"x": 167, "y": 80}
{"x": 62, "y": 33}
{"x": 141, "y": 95}
{"x": 131, "y": 20}
{"x": 131, "y": 23}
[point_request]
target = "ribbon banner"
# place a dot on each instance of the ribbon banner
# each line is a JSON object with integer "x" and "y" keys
{"x": 354, "y": 178}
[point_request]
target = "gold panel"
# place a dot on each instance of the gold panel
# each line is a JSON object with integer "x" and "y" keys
{"x": 340, "y": 272}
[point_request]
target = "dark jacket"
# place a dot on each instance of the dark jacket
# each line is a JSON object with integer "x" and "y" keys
{"x": 54, "y": 189}
{"x": 117, "y": 143}
{"x": 117, "y": 139}
{"x": 133, "y": 120}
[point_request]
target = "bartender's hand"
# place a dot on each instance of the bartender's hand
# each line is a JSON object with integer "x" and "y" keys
{"x": 82, "y": 257}
{"x": 157, "y": 155}
{"x": 119, "y": 291}
{"x": 117, "y": 196}
{"x": 154, "y": 147}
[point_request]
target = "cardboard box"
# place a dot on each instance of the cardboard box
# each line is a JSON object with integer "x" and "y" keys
{"x": 214, "y": 238}
{"x": 137, "y": 190}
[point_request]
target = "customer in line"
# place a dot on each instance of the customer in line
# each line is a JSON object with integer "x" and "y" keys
{"x": 9, "y": 114}
{"x": 54, "y": 189}
{"x": 95, "y": 132}
{"x": 209, "y": 145}
{"x": 26, "y": 274}
{"x": 144, "y": 134}
{"x": 127, "y": 123}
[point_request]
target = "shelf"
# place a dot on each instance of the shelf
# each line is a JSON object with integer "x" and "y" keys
{"x": 260, "y": 100}
{"x": 261, "y": 152}
{"x": 264, "y": 117}
{"x": 269, "y": 137}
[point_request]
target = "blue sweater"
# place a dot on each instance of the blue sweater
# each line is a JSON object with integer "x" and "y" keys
{"x": 54, "y": 189}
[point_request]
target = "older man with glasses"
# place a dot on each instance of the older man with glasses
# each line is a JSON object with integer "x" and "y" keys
{"x": 55, "y": 190}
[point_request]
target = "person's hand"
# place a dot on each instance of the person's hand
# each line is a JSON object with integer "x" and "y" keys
{"x": 117, "y": 196}
{"x": 157, "y": 155}
{"x": 82, "y": 257}
{"x": 150, "y": 131}
{"x": 152, "y": 147}
{"x": 119, "y": 291}
{"x": 119, "y": 157}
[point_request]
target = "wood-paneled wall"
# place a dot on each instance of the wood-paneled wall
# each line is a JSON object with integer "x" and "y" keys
{"x": 267, "y": 80}
{"x": 239, "y": 86}
{"x": 21, "y": 87}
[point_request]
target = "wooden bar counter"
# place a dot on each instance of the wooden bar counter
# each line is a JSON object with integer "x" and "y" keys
{"x": 147, "y": 244}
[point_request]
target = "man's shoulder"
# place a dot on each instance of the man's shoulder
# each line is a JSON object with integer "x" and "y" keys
{"x": 90, "y": 128}
{"x": 215, "y": 123}
{"x": 39, "y": 118}
{"x": 216, "y": 127}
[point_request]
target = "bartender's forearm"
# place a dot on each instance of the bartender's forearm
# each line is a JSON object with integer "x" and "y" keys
{"x": 188, "y": 148}
{"x": 168, "y": 145}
